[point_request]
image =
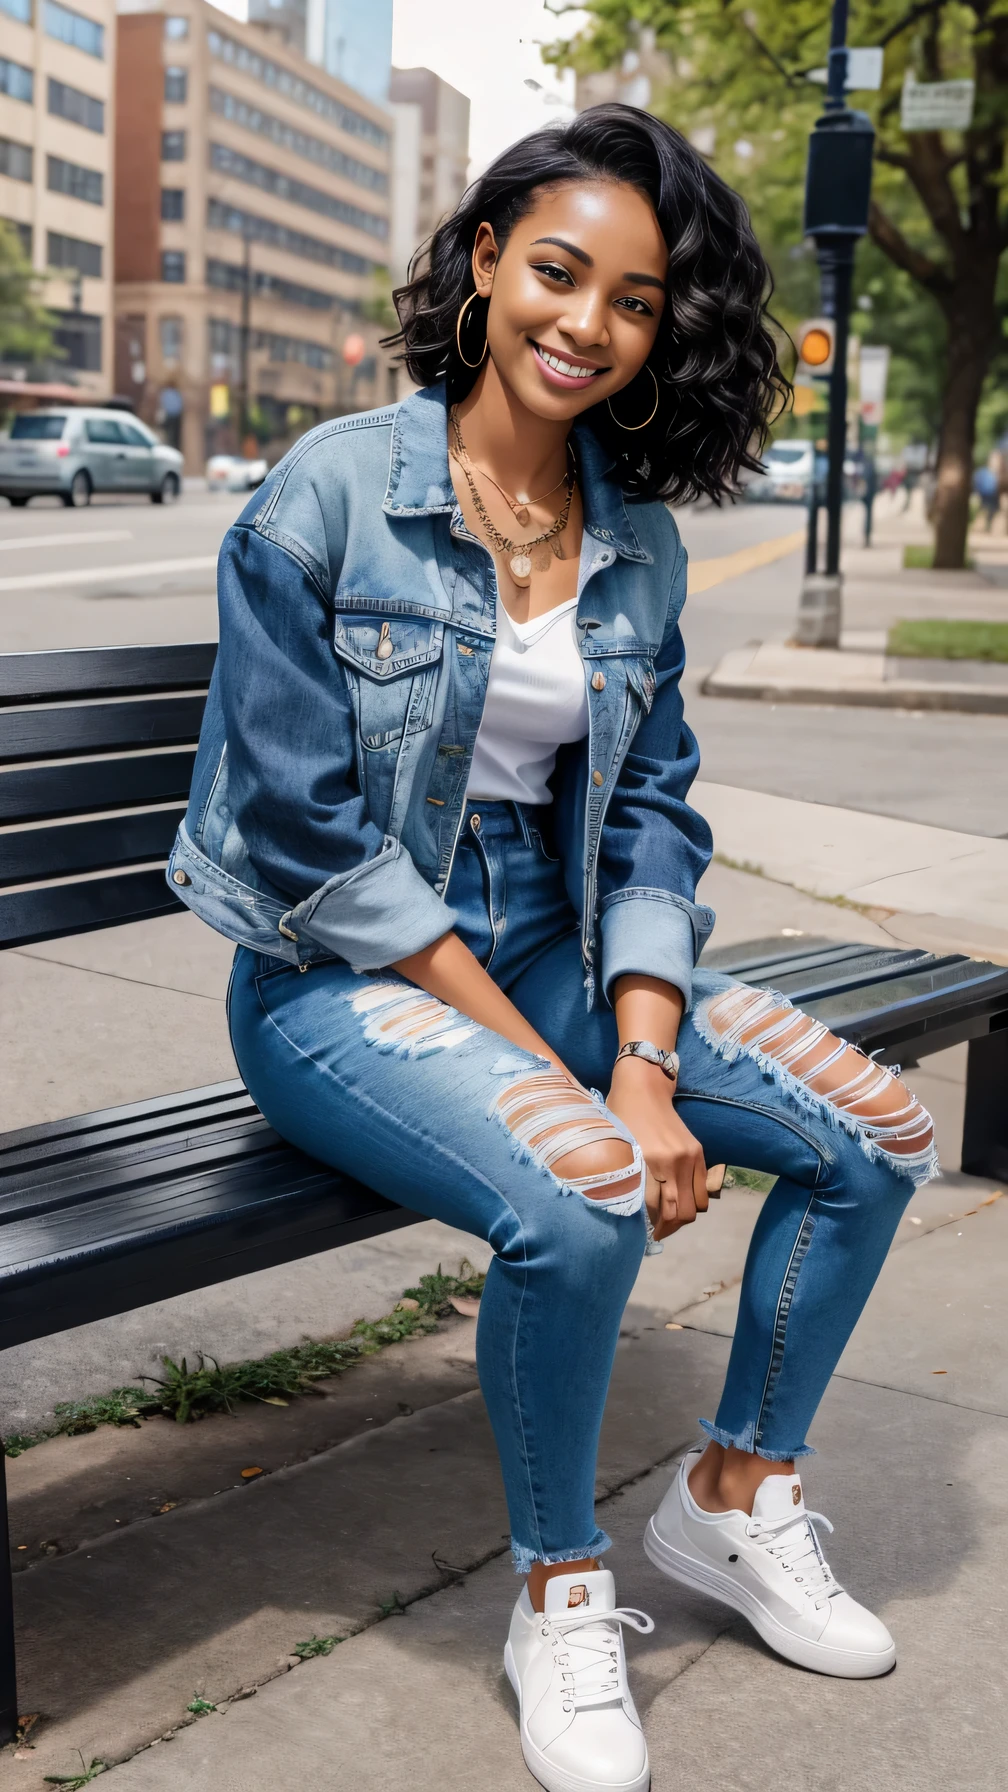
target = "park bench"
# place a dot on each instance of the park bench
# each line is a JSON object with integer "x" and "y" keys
{"x": 112, "y": 1210}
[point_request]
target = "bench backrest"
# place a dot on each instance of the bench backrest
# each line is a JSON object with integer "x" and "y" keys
{"x": 96, "y": 755}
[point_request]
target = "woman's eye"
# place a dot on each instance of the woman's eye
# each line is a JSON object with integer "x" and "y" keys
{"x": 635, "y": 304}
{"x": 553, "y": 271}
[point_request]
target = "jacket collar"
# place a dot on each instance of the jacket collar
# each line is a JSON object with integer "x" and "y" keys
{"x": 420, "y": 483}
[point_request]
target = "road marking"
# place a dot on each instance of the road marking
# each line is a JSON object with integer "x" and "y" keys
{"x": 67, "y": 541}
{"x": 142, "y": 569}
{"x": 703, "y": 574}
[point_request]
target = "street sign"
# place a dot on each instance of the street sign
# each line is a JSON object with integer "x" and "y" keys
{"x": 864, "y": 71}
{"x": 220, "y": 400}
{"x": 936, "y": 105}
{"x": 874, "y": 374}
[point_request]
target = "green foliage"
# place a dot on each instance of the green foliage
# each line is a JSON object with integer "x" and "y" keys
{"x": 377, "y": 306}
{"x": 25, "y": 325}
{"x": 73, "y": 1781}
{"x": 316, "y": 1645}
{"x": 200, "y": 1707}
{"x": 185, "y": 1393}
{"x": 917, "y": 557}
{"x": 941, "y": 639}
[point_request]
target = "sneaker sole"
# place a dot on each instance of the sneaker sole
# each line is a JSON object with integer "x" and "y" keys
{"x": 842, "y": 1664}
{"x": 556, "y": 1779}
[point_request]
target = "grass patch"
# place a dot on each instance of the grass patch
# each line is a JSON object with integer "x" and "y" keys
{"x": 72, "y": 1781}
{"x": 200, "y": 1707}
{"x": 316, "y": 1645}
{"x": 949, "y": 639}
{"x": 186, "y": 1393}
{"x": 916, "y": 556}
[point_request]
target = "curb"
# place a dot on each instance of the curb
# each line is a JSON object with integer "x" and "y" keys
{"x": 967, "y": 699}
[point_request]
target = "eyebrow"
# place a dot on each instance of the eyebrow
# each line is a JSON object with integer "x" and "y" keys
{"x": 582, "y": 255}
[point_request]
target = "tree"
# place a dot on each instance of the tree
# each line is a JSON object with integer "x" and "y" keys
{"x": 25, "y": 326}
{"x": 938, "y": 215}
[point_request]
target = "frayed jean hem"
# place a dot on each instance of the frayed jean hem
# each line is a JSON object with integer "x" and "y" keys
{"x": 745, "y": 1440}
{"x": 526, "y": 1559}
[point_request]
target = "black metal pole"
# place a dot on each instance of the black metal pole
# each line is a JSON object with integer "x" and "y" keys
{"x": 8, "y": 1668}
{"x": 812, "y": 538}
{"x": 243, "y": 339}
{"x": 842, "y": 256}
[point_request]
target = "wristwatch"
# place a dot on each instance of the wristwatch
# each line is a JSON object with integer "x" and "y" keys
{"x": 652, "y": 1054}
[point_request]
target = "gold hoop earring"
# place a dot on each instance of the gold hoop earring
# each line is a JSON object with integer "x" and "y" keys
{"x": 458, "y": 335}
{"x": 654, "y": 409}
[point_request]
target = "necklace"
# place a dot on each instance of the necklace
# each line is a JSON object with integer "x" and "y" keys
{"x": 520, "y": 506}
{"x": 518, "y": 552}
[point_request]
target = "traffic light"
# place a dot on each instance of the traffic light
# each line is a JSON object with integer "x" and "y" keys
{"x": 815, "y": 341}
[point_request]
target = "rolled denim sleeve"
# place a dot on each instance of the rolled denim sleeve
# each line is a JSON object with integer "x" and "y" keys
{"x": 656, "y": 848}
{"x": 292, "y": 775}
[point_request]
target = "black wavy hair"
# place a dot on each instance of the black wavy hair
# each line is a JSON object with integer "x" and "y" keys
{"x": 714, "y": 358}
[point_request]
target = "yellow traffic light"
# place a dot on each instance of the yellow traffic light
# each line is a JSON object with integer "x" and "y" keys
{"x": 815, "y": 341}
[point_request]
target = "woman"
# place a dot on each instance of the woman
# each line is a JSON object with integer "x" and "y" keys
{"x": 444, "y": 774}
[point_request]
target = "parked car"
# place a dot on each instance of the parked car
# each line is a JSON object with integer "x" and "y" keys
{"x": 232, "y": 473}
{"x": 787, "y": 473}
{"x": 73, "y": 453}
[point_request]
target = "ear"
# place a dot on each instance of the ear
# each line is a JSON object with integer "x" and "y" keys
{"x": 485, "y": 257}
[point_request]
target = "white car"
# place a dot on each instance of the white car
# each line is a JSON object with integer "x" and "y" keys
{"x": 787, "y": 474}
{"x": 231, "y": 473}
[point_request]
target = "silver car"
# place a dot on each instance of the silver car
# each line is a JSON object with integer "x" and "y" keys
{"x": 75, "y": 451}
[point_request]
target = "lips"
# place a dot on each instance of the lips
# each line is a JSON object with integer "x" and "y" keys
{"x": 560, "y": 371}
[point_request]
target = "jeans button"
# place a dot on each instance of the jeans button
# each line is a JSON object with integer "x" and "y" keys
{"x": 474, "y": 823}
{"x": 598, "y": 681}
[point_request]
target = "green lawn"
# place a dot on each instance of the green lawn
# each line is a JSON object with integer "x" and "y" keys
{"x": 949, "y": 639}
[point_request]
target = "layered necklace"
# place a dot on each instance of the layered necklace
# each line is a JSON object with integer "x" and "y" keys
{"x": 522, "y": 557}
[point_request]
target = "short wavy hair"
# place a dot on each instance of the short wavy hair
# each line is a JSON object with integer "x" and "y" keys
{"x": 714, "y": 358}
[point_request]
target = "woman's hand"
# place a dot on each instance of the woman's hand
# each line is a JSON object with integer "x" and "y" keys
{"x": 641, "y": 1095}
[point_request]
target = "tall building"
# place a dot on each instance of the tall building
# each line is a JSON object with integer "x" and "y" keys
{"x": 57, "y": 118}
{"x": 252, "y": 236}
{"x": 431, "y": 157}
{"x": 351, "y": 39}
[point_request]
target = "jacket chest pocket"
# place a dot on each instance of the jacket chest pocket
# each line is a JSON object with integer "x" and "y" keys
{"x": 391, "y": 665}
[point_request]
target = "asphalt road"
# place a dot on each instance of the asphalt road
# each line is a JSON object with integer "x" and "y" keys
{"x": 128, "y": 571}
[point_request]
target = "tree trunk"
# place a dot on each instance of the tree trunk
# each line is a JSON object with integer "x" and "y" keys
{"x": 972, "y": 334}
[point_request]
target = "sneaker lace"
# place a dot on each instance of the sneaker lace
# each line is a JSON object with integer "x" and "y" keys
{"x": 591, "y": 1664}
{"x": 794, "y": 1544}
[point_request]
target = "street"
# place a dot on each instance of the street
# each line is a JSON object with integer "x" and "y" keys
{"x": 124, "y": 571}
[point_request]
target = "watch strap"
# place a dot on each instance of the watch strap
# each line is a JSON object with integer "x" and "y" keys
{"x": 652, "y": 1054}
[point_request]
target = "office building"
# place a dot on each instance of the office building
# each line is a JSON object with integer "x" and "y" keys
{"x": 57, "y": 119}
{"x": 252, "y": 230}
{"x": 430, "y": 159}
{"x": 351, "y": 40}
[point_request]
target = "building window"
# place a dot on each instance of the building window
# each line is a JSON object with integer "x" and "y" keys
{"x": 280, "y": 236}
{"x": 301, "y": 143}
{"x": 76, "y": 182}
{"x": 176, "y": 28}
{"x": 170, "y": 338}
{"x": 79, "y": 108}
{"x": 228, "y": 161}
{"x": 18, "y": 9}
{"x": 283, "y": 80}
{"x": 15, "y": 159}
{"x": 173, "y": 267}
{"x": 23, "y": 232}
{"x": 80, "y": 337}
{"x": 73, "y": 28}
{"x": 230, "y": 277}
{"x": 176, "y": 86}
{"x": 172, "y": 205}
{"x": 225, "y": 342}
{"x": 70, "y": 252}
{"x": 16, "y": 82}
{"x": 173, "y": 146}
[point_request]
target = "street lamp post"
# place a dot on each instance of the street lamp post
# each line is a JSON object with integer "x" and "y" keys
{"x": 244, "y": 339}
{"x": 837, "y": 192}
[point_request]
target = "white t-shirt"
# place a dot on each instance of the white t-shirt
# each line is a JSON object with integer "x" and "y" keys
{"x": 535, "y": 702}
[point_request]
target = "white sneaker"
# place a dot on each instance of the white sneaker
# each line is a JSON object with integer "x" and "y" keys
{"x": 579, "y": 1727}
{"x": 770, "y": 1567}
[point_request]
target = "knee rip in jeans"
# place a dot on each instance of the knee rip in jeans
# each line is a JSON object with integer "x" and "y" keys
{"x": 400, "y": 1018}
{"x": 824, "y": 1073}
{"x": 569, "y": 1132}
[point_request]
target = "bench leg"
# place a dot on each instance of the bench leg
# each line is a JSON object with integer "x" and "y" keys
{"x": 8, "y": 1672}
{"x": 985, "y": 1123}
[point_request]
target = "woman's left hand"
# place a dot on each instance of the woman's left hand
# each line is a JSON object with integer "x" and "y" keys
{"x": 641, "y": 1096}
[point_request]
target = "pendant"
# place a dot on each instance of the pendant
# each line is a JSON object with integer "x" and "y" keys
{"x": 520, "y": 568}
{"x": 521, "y": 515}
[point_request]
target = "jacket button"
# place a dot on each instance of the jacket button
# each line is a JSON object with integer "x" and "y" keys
{"x": 474, "y": 823}
{"x": 597, "y": 778}
{"x": 598, "y": 681}
{"x": 180, "y": 877}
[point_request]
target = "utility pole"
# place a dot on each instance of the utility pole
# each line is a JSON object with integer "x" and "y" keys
{"x": 244, "y": 335}
{"x": 837, "y": 193}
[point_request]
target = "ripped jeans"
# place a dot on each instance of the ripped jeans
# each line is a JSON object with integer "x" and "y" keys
{"x": 381, "y": 1080}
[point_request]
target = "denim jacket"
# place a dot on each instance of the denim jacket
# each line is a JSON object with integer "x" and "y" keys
{"x": 357, "y": 618}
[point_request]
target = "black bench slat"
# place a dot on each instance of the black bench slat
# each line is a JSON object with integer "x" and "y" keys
{"x": 30, "y": 916}
{"x": 95, "y": 671}
{"x": 37, "y": 792}
{"x": 175, "y": 1111}
{"x": 114, "y": 1170}
{"x": 88, "y": 845}
{"x": 97, "y": 727}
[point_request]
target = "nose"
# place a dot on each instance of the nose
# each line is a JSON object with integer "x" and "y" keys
{"x": 583, "y": 320}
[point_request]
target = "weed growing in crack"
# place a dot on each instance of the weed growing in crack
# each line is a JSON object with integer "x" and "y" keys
{"x": 71, "y": 1781}
{"x": 200, "y": 1707}
{"x": 394, "y": 1607}
{"x": 186, "y": 1393}
{"x": 316, "y": 1645}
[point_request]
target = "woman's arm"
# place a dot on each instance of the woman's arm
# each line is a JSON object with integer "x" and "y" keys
{"x": 641, "y": 1094}
{"x": 448, "y": 970}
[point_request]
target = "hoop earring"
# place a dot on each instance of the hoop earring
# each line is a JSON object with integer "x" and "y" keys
{"x": 458, "y": 335}
{"x": 634, "y": 426}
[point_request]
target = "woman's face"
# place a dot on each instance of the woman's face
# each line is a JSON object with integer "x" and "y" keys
{"x": 575, "y": 296}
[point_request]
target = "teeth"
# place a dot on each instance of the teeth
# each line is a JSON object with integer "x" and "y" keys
{"x": 578, "y": 373}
